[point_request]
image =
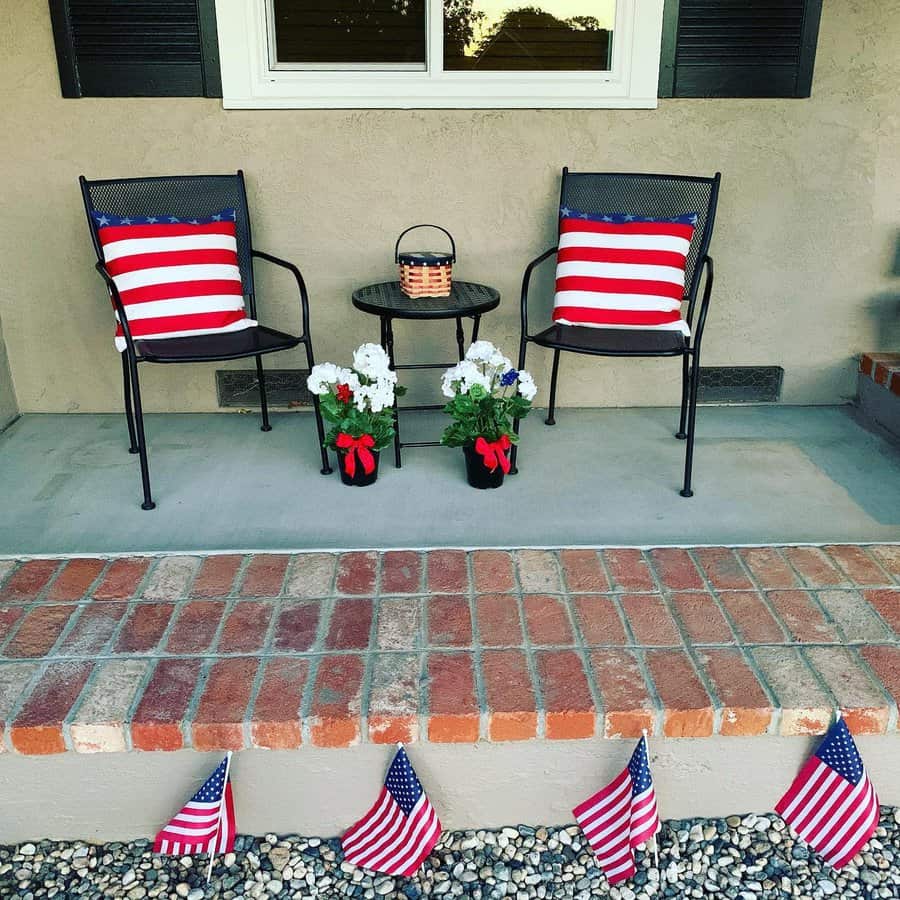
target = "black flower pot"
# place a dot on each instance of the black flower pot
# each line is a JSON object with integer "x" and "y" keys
{"x": 478, "y": 474}
{"x": 359, "y": 477}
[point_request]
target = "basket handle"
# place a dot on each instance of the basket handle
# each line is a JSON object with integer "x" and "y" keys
{"x": 412, "y": 227}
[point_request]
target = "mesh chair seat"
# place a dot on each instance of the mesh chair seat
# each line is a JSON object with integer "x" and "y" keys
{"x": 212, "y": 347}
{"x": 612, "y": 341}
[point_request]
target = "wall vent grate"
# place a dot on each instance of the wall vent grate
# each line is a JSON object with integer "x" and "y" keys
{"x": 286, "y": 388}
{"x": 740, "y": 384}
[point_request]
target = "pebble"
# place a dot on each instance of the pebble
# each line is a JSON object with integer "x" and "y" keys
{"x": 749, "y": 857}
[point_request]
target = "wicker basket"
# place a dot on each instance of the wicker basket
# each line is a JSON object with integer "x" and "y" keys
{"x": 426, "y": 273}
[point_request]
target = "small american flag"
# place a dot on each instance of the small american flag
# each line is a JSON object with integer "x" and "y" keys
{"x": 621, "y": 816}
{"x": 206, "y": 823}
{"x": 832, "y": 804}
{"x": 400, "y": 830}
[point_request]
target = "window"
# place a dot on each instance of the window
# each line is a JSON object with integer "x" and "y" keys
{"x": 439, "y": 53}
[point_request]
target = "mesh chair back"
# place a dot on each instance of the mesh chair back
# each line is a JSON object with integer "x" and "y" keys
{"x": 649, "y": 195}
{"x": 184, "y": 196}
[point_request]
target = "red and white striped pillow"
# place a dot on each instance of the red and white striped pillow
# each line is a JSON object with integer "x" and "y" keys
{"x": 175, "y": 278}
{"x": 619, "y": 271}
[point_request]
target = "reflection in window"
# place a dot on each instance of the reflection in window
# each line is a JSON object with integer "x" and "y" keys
{"x": 550, "y": 35}
{"x": 350, "y": 32}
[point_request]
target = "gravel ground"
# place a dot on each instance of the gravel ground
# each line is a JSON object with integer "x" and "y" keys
{"x": 749, "y": 857}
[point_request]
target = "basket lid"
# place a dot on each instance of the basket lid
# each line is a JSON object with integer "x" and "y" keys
{"x": 426, "y": 258}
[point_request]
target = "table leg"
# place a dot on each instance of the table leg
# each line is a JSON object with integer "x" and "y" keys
{"x": 476, "y": 322}
{"x": 460, "y": 337}
{"x": 388, "y": 332}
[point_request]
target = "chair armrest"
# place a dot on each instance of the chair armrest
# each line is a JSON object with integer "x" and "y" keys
{"x": 298, "y": 277}
{"x": 118, "y": 306}
{"x": 526, "y": 282}
{"x": 707, "y": 264}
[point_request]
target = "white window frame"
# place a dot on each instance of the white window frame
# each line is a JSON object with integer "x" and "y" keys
{"x": 249, "y": 80}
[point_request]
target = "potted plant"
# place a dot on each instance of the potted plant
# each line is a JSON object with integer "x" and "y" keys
{"x": 358, "y": 404}
{"x": 486, "y": 393}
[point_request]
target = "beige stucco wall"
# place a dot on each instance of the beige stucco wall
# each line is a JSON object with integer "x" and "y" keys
{"x": 806, "y": 235}
{"x": 8, "y": 405}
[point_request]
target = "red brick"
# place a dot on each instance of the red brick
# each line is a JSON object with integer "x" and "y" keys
{"x": 356, "y": 573}
{"x": 814, "y": 567}
{"x": 14, "y": 679}
{"x": 92, "y": 629}
{"x": 498, "y": 620}
{"x": 755, "y": 624}
{"x": 219, "y": 720}
{"x": 157, "y": 721}
{"x": 39, "y": 631}
{"x": 449, "y": 621}
{"x": 448, "y": 572}
{"x": 75, "y": 579}
{"x": 889, "y": 557}
{"x": 196, "y": 626}
{"x": 29, "y": 580}
{"x": 768, "y": 567}
{"x": 246, "y": 626}
{"x": 144, "y": 627}
{"x": 702, "y": 619}
{"x": 583, "y": 571}
{"x": 676, "y": 569}
{"x": 264, "y": 576}
{"x": 493, "y": 571}
{"x": 538, "y": 571}
{"x": 723, "y": 568}
{"x": 122, "y": 579}
{"x": 512, "y": 713}
{"x": 858, "y": 565}
{"x": 398, "y": 623}
{"x": 650, "y": 621}
{"x": 627, "y": 705}
{"x": 569, "y": 711}
{"x": 336, "y": 701}
{"x": 895, "y": 384}
{"x": 547, "y": 620}
{"x": 866, "y": 364}
{"x": 860, "y": 698}
{"x": 885, "y": 663}
{"x": 401, "y": 572}
{"x": 311, "y": 575}
{"x": 275, "y": 723}
{"x": 394, "y": 699}
{"x": 9, "y": 615}
{"x": 629, "y": 570}
{"x": 885, "y": 364}
{"x": 38, "y": 728}
{"x": 688, "y": 708}
{"x": 297, "y": 625}
{"x": 802, "y": 617}
{"x": 599, "y": 620}
{"x": 452, "y": 707}
{"x": 216, "y": 576}
{"x": 350, "y": 625}
{"x": 746, "y": 709}
{"x": 887, "y": 603}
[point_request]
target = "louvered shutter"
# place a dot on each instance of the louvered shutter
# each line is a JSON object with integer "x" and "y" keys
{"x": 136, "y": 48}
{"x": 739, "y": 48}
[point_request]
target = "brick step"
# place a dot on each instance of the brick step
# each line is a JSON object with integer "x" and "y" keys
{"x": 883, "y": 369}
{"x": 330, "y": 650}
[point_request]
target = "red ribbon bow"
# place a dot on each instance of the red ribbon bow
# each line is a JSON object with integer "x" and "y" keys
{"x": 361, "y": 445}
{"x": 494, "y": 453}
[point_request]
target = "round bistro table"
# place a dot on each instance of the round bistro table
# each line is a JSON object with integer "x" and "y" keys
{"x": 467, "y": 300}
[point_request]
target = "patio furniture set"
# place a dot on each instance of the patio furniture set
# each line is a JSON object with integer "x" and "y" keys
{"x": 176, "y": 255}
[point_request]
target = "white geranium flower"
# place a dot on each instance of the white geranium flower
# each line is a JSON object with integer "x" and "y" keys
{"x": 481, "y": 351}
{"x": 371, "y": 360}
{"x": 348, "y": 377}
{"x": 321, "y": 378}
{"x": 527, "y": 387}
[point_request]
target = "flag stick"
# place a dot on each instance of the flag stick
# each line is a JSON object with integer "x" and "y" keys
{"x": 655, "y": 842}
{"x": 212, "y": 852}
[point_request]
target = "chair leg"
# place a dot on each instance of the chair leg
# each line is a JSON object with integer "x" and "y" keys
{"x": 129, "y": 411}
{"x": 320, "y": 425}
{"x": 681, "y": 434}
{"x": 263, "y": 399}
{"x": 141, "y": 437}
{"x": 514, "y": 453}
{"x": 686, "y": 491}
{"x": 551, "y": 413}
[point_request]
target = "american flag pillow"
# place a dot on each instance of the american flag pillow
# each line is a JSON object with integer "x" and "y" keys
{"x": 622, "y": 271}
{"x": 176, "y": 277}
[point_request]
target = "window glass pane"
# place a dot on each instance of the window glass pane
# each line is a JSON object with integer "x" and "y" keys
{"x": 548, "y": 35}
{"x": 350, "y": 32}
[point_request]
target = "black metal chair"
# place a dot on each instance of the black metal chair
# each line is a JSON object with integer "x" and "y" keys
{"x": 638, "y": 195}
{"x": 186, "y": 196}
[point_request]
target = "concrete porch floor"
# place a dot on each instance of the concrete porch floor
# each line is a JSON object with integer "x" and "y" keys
{"x": 600, "y": 477}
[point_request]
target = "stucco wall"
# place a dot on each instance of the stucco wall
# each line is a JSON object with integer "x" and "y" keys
{"x": 8, "y": 406}
{"x": 806, "y": 235}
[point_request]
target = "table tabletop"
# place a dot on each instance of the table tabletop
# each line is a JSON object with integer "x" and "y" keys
{"x": 386, "y": 299}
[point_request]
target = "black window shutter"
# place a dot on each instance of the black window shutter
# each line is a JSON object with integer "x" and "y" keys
{"x": 136, "y": 48}
{"x": 739, "y": 48}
